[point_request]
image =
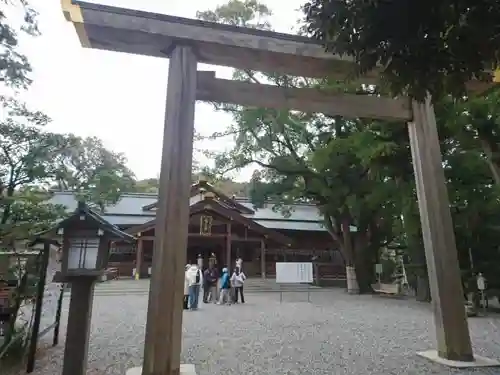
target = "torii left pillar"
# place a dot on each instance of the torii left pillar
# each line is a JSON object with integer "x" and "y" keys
{"x": 162, "y": 348}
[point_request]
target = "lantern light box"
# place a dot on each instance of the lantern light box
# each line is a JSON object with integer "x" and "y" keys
{"x": 86, "y": 236}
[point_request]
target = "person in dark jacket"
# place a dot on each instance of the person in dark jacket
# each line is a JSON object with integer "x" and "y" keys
{"x": 210, "y": 277}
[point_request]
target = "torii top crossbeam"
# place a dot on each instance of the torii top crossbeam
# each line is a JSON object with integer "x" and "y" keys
{"x": 153, "y": 34}
{"x": 144, "y": 33}
{"x": 188, "y": 42}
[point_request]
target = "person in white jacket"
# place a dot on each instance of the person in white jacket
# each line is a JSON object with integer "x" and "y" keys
{"x": 237, "y": 280}
{"x": 186, "y": 288}
{"x": 194, "y": 278}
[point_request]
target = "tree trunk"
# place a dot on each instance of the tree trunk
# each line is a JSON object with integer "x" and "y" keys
{"x": 414, "y": 241}
{"x": 7, "y": 207}
{"x": 363, "y": 270}
{"x": 350, "y": 265}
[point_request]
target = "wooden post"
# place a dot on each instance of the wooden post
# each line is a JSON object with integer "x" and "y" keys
{"x": 452, "y": 332}
{"x": 162, "y": 348}
{"x": 57, "y": 326}
{"x": 139, "y": 257}
{"x": 38, "y": 308}
{"x": 228, "y": 248}
{"x": 262, "y": 259}
{"x": 78, "y": 330}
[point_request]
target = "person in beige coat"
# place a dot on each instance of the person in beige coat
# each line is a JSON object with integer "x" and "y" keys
{"x": 186, "y": 287}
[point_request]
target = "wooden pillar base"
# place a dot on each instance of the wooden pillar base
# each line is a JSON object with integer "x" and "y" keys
{"x": 185, "y": 369}
{"x": 478, "y": 361}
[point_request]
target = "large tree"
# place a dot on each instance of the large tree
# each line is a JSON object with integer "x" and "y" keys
{"x": 97, "y": 174}
{"x": 418, "y": 46}
{"x": 33, "y": 159}
{"x": 358, "y": 172}
{"x": 333, "y": 162}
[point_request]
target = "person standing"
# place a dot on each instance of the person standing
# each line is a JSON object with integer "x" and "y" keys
{"x": 195, "y": 280}
{"x": 210, "y": 277}
{"x": 225, "y": 286}
{"x": 239, "y": 264}
{"x": 206, "y": 285}
{"x": 186, "y": 288}
{"x": 237, "y": 280}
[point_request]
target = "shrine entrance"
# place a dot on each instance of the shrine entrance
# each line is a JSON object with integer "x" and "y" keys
{"x": 188, "y": 42}
{"x": 214, "y": 228}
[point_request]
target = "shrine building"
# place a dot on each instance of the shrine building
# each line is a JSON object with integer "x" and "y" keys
{"x": 229, "y": 228}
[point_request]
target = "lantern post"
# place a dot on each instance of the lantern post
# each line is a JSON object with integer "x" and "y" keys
{"x": 85, "y": 237}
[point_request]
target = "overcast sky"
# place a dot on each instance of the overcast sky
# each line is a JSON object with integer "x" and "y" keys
{"x": 117, "y": 97}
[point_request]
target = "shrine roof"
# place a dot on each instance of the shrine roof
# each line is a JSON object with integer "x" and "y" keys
{"x": 217, "y": 208}
{"x": 83, "y": 209}
{"x": 128, "y": 211}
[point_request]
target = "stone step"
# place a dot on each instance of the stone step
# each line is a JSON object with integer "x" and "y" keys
{"x": 141, "y": 287}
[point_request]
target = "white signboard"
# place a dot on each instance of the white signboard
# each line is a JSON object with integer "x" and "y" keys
{"x": 294, "y": 272}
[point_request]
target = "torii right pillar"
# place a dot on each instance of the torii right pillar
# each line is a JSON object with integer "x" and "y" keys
{"x": 452, "y": 331}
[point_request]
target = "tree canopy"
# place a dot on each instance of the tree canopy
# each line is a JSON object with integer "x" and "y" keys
{"x": 14, "y": 65}
{"x": 33, "y": 160}
{"x": 418, "y": 46}
{"x": 358, "y": 172}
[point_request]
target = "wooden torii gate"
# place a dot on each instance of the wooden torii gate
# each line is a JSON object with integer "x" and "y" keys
{"x": 186, "y": 42}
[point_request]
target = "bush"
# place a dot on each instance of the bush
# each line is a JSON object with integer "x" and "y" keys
{"x": 12, "y": 353}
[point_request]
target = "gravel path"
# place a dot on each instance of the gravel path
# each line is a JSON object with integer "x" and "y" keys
{"x": 335, "y": 334}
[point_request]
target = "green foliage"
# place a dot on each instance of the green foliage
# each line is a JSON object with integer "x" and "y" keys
{"x": 27, "y": 155}
{"x": 32, "y": 159}
{"x": 419, "y": 46}
{"x": 25, "y": 272}
{"x": 15, "y": 352}
{"x": 14, "y": 66}
{"x": 359, "y": 172}
{"x": 247, "y": 13}
{"x": 96, "y": 174}
{"x": 29, "y": 212}
{"x": 338, "y": 164}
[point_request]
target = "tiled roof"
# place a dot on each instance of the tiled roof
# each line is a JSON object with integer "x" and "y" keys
{"x": 129, "y": 211}
{"x": 83, "y": 209}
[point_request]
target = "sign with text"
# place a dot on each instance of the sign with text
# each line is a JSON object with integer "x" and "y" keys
{"x": 206, "y": 225}
{"x": 294, "y": 272}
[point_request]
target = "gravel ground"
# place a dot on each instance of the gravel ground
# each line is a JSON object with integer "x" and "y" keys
{"x": 334, "y": 334}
